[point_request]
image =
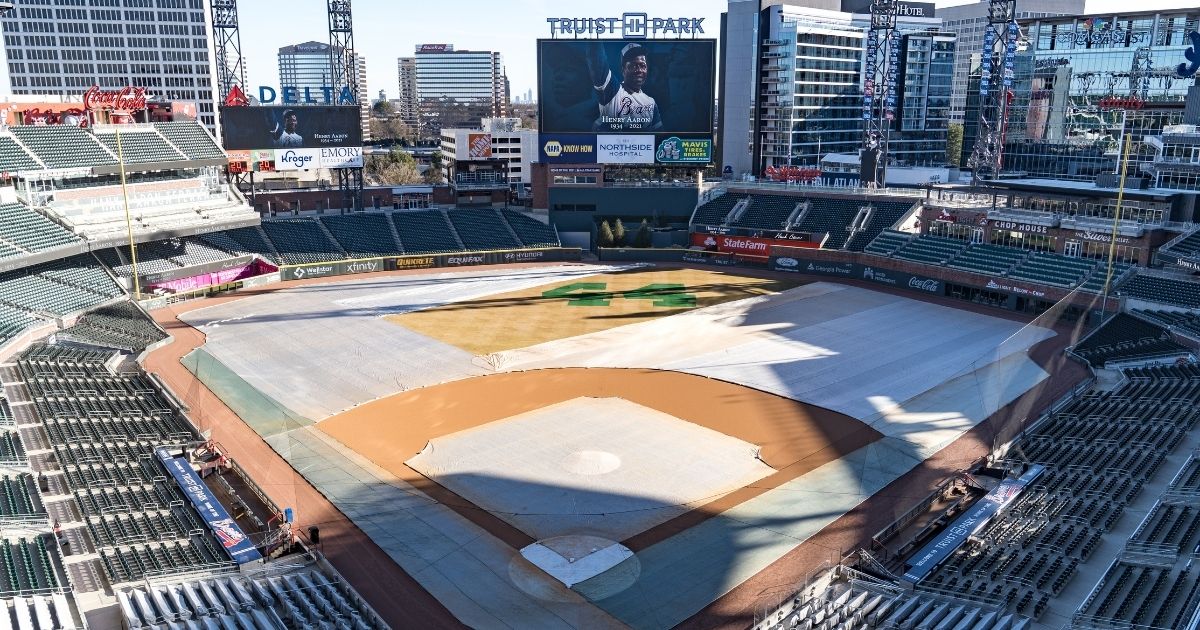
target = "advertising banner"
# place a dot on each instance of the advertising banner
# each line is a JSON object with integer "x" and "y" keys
{"x": 744, "y": 245}
{"x": 676, "y": 150}
{"x": 236, "y": 543}
{"x": 431, "y": 261}
{"x": 342, "y": 157}
{"x": 626, "y": 86}
{"x": 195, "y": 270}
{"x": 857, "y": 271}
{"x": 297, "y": 159}
{"x": 479, "y": 146}
{"x": 566, "y": 148}
{"x": 899, "y": 279}
{"x": 817, "y": 267}
{"x": 300, "y": 127}
{"x": 967, "y": 523}
{"x": 625, "y": 149}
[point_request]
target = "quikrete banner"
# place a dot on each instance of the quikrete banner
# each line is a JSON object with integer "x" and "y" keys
{"x": 431, "y": 261}
{"x": 236, "y": 543}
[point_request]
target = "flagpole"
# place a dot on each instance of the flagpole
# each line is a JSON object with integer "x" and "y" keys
{"x": 137, "y": 284}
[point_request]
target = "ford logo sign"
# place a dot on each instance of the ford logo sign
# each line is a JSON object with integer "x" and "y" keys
{"x": 787, "y": 262}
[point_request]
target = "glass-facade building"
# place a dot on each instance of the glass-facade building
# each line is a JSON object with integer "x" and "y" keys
{"x": 1084, "y": 82}
{"x": 458, "y": 88}
{"x": 808, "y": 97}
{"x": 308, "y": 66}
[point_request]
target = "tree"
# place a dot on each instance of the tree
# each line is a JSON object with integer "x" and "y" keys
{"x": 618, "y": 233}
{"x": 642, "y": 237}
{"x": 434, "y": 174}
{"x": 383, "y": 109}
{"x": 604, "y": 237}
{"x": 954, "y": 144}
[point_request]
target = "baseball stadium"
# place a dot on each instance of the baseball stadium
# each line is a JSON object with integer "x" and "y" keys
{"x": 443, "y": 417}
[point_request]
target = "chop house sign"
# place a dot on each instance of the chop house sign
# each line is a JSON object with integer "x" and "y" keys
{"x": 125, "y": 99}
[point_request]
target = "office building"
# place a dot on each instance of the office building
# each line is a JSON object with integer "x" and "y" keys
{"x": 969, "y": 21}
{"x": 458, "y": 88}
{"x": 64, "y": 50}
{"x": 307, "y": 65}
{"x": 791, "y": 87}
{"x": 1085, "y": 82}
{"x": 407, "y": 105}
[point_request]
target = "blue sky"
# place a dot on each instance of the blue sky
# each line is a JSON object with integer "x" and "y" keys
{"x": 387, "y": 29}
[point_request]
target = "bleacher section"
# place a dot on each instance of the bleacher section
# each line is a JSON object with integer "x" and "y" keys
{"x": 63, "y": 146}
{"x": 884, "y": 214}
{"x": 1134, "y": 595}
{"x": 1054, "y": 269}
{"x": 1187, "y": 247}
{"x": 23, "y": 230}
{"x": 190, "y": 138}
{"x": 714, "y": 211}
{"x": 988, "y": 259}
{"x": 424, "y": 232}
{"x": 1127, "y": 338}
{"x": 768, "y": 212}
{"x": 1184, "y": 322}
{"x": 165, "y": 256}
{"x": 139, "y": 145}
{"x": 246, "y": 240}
{"x": 106, "y": 425}
{"x": 300, "y": 241}
{"x": 299, "y": 599}
{"x": 122, "y": 326}
{"x": 1181, "y": 292}
{"x": 13, "y": 158}
{"x": 39, "y": 611}
{"x": 533, "y": 233}
{"x": 862, "y": 604}
{"x": 887, "y": 242}
{"x": 935, "y": 250}
{"x": 482, "y": 230}
{"x": 165, "y": 204}
{"x": 366, "y": 235}
{"x": 57, "y": 288}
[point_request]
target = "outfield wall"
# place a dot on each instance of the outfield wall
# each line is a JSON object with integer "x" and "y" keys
{"x": 428, "y": 261}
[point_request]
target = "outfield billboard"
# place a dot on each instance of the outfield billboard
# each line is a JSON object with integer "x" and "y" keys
{"x": 278, "y": 127}
{"x": 626, "y": 86}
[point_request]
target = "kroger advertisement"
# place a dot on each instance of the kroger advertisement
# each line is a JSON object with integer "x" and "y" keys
{"x": 626, "y": 86}
{"x": 301, "y": 127}
{"x": 308, "y": 159}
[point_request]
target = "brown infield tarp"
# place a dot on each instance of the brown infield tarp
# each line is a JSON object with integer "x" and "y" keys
{"x": 404, "y": 604}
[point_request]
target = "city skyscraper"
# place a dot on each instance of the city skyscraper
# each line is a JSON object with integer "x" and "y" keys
{"x": 458, "y": 88}
{"x": 64, "y": 50}
{"x": 407, "y": 104}
{"x": 307, "y": 65}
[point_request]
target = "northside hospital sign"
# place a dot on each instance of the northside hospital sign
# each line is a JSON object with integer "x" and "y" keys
{"x": 628, "y": 26}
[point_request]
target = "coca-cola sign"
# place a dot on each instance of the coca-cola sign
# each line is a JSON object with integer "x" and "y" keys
{"x": 125, "y": 99}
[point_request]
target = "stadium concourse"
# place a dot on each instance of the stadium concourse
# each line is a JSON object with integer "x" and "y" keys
{"x": 490, "y": 462}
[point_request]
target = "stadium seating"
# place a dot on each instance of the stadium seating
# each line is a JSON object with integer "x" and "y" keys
{"x": 13, "y": 322}
{"x": 988, "y": 259}
{"x": 140, "y": 145}
{"x": 13, "y": 158}
{"x": 768, "y": 212}
{"x": 424, "y": 232}
{"x": 6, "y": 413}
{"x": 1185, "y": 322}
{"x": 482, "y": 230}
{"x": 28, "y": 566}
{"x": 831, "y": 216}
{"x": 16, "y": 499}
{"x": 714, "y": 211}
{"x": 303, "y": 598}
{"x": 363, "y": 235}
{"x": 1189, "y": 246}
{"x": 1125, "y": 338}
{"x": 246, "y": 240}
{"x": 1095, "y": 283}
{"x": 533, "y": 233}
{"x": 122, "y": 326}
{"x": 301, "y": 241}
{"x": 63, "y": 146}
{"x": 1177, "y": 292}
{"x": 164, "y": 256}
{"x": 23, "y": 230}
{"x": 190, "y": 138}
{"x": 887, "y": 242}
{"x": 57, "y": 288}
{"x": 1053, "y": 269}
{"x": 884, "y": 214}
{"x": 930, "y": 249}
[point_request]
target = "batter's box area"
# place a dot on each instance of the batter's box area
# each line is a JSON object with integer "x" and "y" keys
{"x": 603, "y": 467}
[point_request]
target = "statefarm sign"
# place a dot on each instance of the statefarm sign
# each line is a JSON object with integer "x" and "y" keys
{"x": 745, "y": 245}
{"x": 125, "y": 99}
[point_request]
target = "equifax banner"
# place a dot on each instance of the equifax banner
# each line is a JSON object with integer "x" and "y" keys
{"x": 307, "y": 159}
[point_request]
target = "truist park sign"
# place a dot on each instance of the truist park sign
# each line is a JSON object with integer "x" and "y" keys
{"x": 628, "y": 26}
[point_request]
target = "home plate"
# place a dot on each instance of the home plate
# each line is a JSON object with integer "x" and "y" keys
{"x": 574, "y": 559}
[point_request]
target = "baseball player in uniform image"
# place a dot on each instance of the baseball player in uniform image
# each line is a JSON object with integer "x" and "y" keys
{"x": 623, "y": 104}
{"x": 285, "y": 135}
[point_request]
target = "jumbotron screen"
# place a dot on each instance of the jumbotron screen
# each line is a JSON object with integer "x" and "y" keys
{"x": 291, "y": 127}
{"x": 626, "y": 86}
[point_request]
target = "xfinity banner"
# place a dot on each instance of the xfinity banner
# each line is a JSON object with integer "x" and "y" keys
{"x": 969, "y": 522}
{"x": 431, "y": 261}
{"x": 625, "y": 149}
{"x": 236, "y": 543}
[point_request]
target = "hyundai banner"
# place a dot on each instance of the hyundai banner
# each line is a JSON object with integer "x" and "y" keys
{"x": 236, "y": 543}
{"x": 625, "y": 149}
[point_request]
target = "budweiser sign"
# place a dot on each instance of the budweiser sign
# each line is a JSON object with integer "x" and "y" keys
{"x": 125, "y": 99}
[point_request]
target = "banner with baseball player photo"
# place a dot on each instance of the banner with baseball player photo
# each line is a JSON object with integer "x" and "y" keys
{"x": 607, "y": 86}
{"x": 291, "y": 127}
